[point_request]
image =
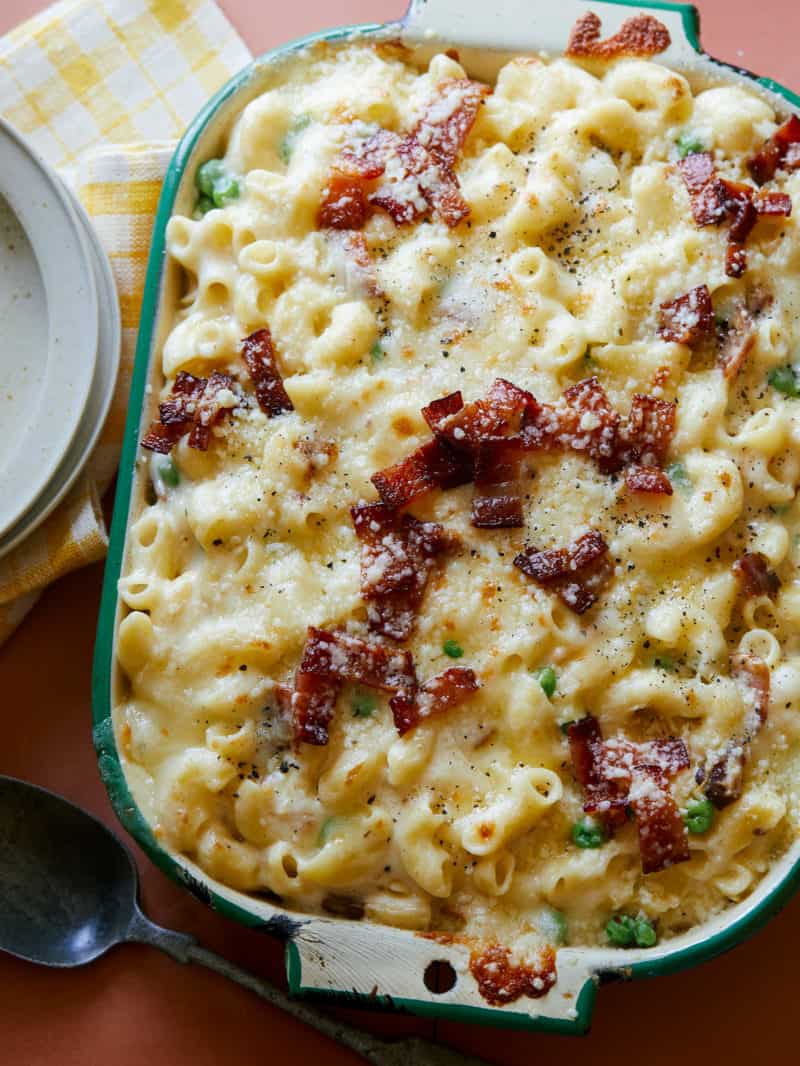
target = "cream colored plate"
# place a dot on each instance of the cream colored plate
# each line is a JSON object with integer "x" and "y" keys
{"x": 98, "y": 403}
{"x": 48, "y": 326}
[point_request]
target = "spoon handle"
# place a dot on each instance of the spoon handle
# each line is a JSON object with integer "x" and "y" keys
{"x": 409, "y": 1052}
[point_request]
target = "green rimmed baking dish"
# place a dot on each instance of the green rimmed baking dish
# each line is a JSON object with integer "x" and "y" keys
{"x": 356, "y": 962}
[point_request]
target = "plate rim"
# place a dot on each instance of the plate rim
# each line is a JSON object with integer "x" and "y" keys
{"x": 101, "y": 393}
{"x": 72, "y": 312}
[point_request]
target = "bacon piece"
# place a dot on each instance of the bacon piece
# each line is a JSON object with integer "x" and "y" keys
{"x": 258, "y": 353}
{"x": 497, "y": 502}
{"x": 618, "y": 773}
{"x": 331, "y": 658}
{"x": 697, "y": 170}
{"x": 433, "y": 465}
{"x": 715, "y": 200}
{"x": 500, "y": 414}
{"x": 755, "y": 577}
{"x": 778, "y": 151}
{"x": 398, "y": 553}
{"x": 448, "y": 119}
{"x": 576, "y": 573}
{"x": 648, "y": 431}
{"x": 368, "y": 160}
{"x": 313, "y": 704}
{"x": 726, "y": 777}
{"x": 650, "y": 479}
{"x": 193, "y": 405}
{"x": 689, "y": 319}
{"x": 500, "y": 981}
{"x": 338, "y": 655}
{"x": 604, "y": 796}
{"x": 344, "y": 203}
{"x": 642, "y": 35}
{"x": 414, "y": 172}
{"x": 773, "y": 203}
{"x": 439, "y": 694}
{"x": 591, "y": 424}
{"x": 663, "y": 839}
{"x": 210, "y": 409}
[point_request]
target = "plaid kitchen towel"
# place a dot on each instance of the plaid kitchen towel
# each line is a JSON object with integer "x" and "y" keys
{"x": 101, "y": 89}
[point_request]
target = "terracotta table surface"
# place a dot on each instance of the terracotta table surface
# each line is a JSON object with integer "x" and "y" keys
{"x": 138, "y": 1006}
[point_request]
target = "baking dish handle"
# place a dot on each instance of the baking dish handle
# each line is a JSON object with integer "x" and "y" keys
{"x": 371, "y": 965}
{"x": 519, "y": 25}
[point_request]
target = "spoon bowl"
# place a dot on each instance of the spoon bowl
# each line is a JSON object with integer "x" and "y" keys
{"x": 67, "y": 884}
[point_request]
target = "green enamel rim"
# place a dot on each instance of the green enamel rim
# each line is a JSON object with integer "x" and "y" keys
{"x": 109, "y": 761}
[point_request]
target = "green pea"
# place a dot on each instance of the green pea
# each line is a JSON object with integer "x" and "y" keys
{"x": 288, "y": 142}
{"x": 548, "y": 679}
{"x": 587, "y": 833}
{"x": 664, "y": 662}
{"x": 689, "y": 144}
{"x": 620, "y": 931}
{"x": 624, "y": 931}
{"x": 328, "y": 830}
{"x": 202, "y": 207}
{"x": 453, "y": 649}
{"x": 554, "y": 926}
{"x": 783, "y": 379}
{"x": 679, "y": 476}
{"x": 645, "y": 933}
{"x": 208, "y": 174}
{"x": 377, "y": 352}
{"x": 699, "y": 815}
{"x": 363, "y": 704}
{"x": 168, "y": 473}
{"x": 226, "y": 189}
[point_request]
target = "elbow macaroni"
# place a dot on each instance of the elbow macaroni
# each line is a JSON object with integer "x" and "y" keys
{"x": 579, "y": 229}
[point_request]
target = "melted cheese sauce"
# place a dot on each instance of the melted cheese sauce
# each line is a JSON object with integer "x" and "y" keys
{"x": 580, "y": 227}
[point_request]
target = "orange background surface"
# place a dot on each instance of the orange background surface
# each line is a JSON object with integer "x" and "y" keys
{"x": 136, "y": 1006}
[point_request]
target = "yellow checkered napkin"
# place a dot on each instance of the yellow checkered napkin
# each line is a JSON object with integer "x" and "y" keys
{"x": 101, "y": 89}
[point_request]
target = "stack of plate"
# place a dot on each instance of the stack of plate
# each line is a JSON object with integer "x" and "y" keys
{"x": 59, "y": 339}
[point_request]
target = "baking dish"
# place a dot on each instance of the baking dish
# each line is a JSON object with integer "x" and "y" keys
{"x": 352, "y": 961}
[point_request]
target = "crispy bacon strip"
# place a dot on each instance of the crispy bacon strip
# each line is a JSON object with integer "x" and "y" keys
{"x": 448, "y": 689}
{"x": 641, "y": 35}
{"x": 500, "y": 981}
{"x": 331, "y": 658}
{"x": 398, "y": 553}
{"x": 725, "y": 779}
{"x": 210, "y": 409}
{"x": 344, "y": 203}
{"x": 576, "y": 573}
{"x": 649, "y": 479}
{"x": 689, "y": 319}
{"x": 359, "y": 265}
{"x": 780, "y": 150}
{"x": 433, "y": 465}
{"x": 663, "y": 839}
{"x": 313, "y": 703}
{"x": 618, "y": 773}
{"x": 193, "y": 406}
{"x": 755, "y": 577}
{"x": 646, "y": 435}
{"x": 497, "y": 503}
{"x": 715, "y": 200}
{"x": 258, "y": 353}
{"x": 414, "y": 173}
{"x": 500, "y": 414}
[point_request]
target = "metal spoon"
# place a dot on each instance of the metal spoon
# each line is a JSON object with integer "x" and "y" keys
{"x": 68, "y": 893}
